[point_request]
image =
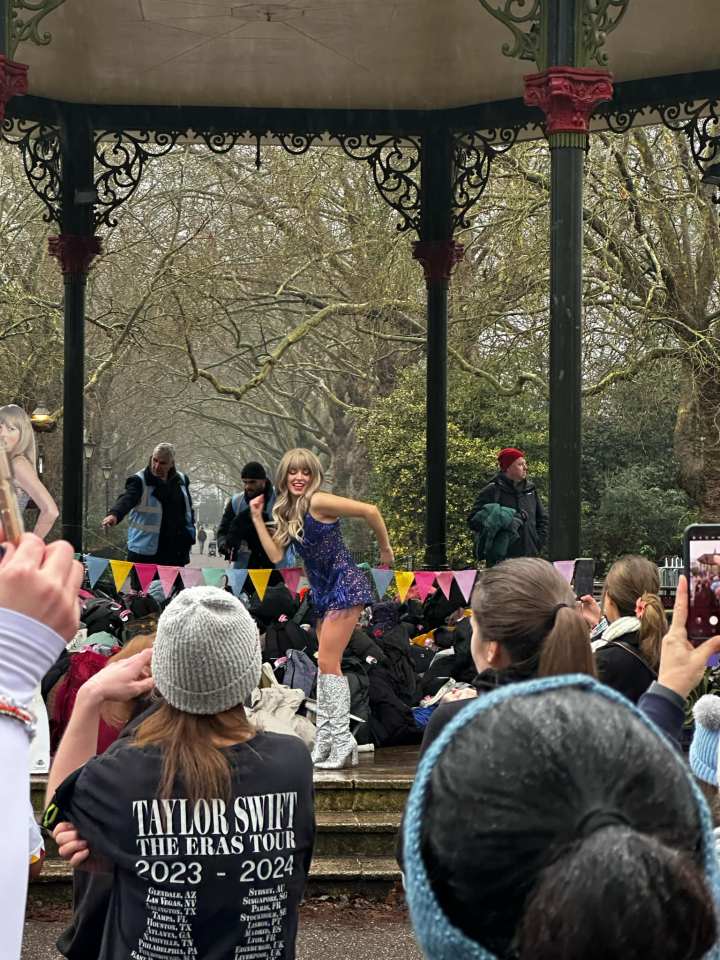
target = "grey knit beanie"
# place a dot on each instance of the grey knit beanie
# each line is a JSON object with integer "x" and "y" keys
{"x": 206, "y": 655}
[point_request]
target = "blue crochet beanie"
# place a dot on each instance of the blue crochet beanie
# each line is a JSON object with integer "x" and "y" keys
{"x": 439, "y": 939}
{"x": 704, "y": 746}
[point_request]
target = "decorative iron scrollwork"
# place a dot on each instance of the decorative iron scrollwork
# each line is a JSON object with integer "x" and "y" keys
{"x": 395, "y": 164}
{"x": 620, "y": 121}
{"x": 523, "y": 19}
{"x": 122, "y": 156}
{"x": 474, "y": 154}
{"x": 39, "y": 147}
{"x": 700, "y": 122}
{"x": 23, "y": 18}
{"x": 297, "y": 144}
{"x": 599, "y": 18}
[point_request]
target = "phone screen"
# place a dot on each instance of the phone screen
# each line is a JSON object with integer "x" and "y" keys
{"x": 583, "y": 577}
{"x": 702, "y": 562}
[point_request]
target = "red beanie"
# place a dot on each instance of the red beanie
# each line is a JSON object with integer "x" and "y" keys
{"x": 508, "y": 456}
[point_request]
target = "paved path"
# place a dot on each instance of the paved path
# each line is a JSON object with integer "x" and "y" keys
{"x": 338, "y": 939}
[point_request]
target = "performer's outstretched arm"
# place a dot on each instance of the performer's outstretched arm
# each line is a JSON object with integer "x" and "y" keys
{"x": 328, "y": 507}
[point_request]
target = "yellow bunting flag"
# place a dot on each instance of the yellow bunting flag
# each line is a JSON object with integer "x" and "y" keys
{"x": 404, "y": 580}
{"x": 120, "y": 571}
{"x": 259, "y": 580}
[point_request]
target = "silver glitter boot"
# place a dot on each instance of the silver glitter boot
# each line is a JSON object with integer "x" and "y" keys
{"x": 336, "y": 699}
{"x": 323, "y": 738}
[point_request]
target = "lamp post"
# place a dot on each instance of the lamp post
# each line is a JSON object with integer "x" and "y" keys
{"x": 106, "y": 471}
{"x": 88, "y": 449}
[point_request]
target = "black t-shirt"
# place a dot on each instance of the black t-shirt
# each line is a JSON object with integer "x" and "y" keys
{"x": 210, "y": 880}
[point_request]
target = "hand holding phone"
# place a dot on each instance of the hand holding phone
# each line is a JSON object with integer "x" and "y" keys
{"x": 701, "y": 554}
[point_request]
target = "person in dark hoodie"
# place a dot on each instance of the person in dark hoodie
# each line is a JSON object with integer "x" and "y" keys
{"x": 158, "y": 505}
{"x": 236, "y": 527}
{"x": 526, "y": 531}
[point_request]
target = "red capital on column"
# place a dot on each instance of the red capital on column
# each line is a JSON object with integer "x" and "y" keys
{"x": 438, "y": 258}
{"x": 567, "y": 96}
{"x": 13, "y": 81}
{"x": 74, "y": 253}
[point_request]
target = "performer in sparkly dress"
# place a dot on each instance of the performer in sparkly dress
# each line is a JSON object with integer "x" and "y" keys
{"x": 309, "y": 519}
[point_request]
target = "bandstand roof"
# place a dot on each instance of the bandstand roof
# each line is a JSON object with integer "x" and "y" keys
{"x": 328, "y": 54}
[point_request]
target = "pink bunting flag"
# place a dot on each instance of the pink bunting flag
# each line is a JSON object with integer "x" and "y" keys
{"x": 168, "y": 576}
{"x": 191, "y": 576}
{"x": 145, "y": 572}
{"x": 445, "y": 581}
{"x": 566, "y": 569}
{"x": 291, "y": 576}
{"x": 424, "y": 580}
{"x": 465, "y": 580}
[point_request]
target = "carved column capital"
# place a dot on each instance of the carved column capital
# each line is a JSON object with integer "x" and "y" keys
{"x": 567, "y": 96}
{"x": 13, "y": 81}
{"x": 74, "y": 253}
{"x": 438, "y": 258}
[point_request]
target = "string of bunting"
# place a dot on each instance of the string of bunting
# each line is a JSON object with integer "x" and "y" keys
{"x": 424, "y": 580}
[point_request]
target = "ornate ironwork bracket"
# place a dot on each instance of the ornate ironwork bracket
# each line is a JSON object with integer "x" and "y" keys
{"x": 23, "y": 22}
{"x": 524, "y": 20}
{"x": 395, "y": 165}
{"x": 527, "y": 20}
{"x": 122, "y": 155}
{"x": 39, "y": 147}
{"x": 474, "y": 154}
{"x": 700, "y": 122}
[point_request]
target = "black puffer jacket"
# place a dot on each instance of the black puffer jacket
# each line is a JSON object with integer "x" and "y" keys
{"x": 523, "y": 498}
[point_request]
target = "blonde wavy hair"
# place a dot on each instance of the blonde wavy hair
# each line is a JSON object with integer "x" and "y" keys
{"x": 14, "y": 416}
{"x": 289, "y": 512}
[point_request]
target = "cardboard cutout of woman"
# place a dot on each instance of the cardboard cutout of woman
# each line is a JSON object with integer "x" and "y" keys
{"x": 18, "y": 438}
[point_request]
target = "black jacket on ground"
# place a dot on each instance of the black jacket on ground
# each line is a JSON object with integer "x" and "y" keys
{"x": 523, "y": 498}
{"x": 234, "y": 530}
{"x": 626, "y": 672}
{"x": 175, "y": 542}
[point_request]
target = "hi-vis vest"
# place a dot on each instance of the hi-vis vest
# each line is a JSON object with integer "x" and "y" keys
{"x": 240, "y": 505}
{"x": 144, "y": 519}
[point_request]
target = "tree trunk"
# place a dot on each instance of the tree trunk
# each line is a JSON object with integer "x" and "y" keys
{"x": 697, "y": 439}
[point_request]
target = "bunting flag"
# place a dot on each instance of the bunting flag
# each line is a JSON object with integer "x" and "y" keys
{"x": 445, "y": 580}
{"x": 566, "y": 569}
{"x": 382, "y": 578}
{"x": 120, "y": 571}
{"x": 214, "y": 576}
{"x": 96, "y": 567}
{"x": 168, "y": 576}
{"x": 191, "y": 576}
{"x": 404, "y": 580}
{"x": 291, "y": 576}
{"x": 236, "y": 579}
{"x": 260, "y": 581}
{"x": 424, "y": 580}
{"x": 145, "y": 573}
{"x": 465, "y": 580}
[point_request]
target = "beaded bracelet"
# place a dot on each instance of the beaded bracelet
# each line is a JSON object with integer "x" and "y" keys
{"x": 11, "y": 708}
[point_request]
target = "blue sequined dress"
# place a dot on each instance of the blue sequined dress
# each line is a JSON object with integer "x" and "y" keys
{"x": 336, "y": 582}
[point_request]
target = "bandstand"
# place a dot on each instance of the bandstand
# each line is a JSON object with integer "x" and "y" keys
{"x": 426, "y": 93}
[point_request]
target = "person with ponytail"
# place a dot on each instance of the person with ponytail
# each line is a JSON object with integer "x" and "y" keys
{"x": 627, "y": 650}
{"x": 525, "y": 625}
{"x": 551, "y": 819}
{"x": 309, "y": 520}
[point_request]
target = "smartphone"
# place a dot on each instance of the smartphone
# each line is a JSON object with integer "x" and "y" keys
{"x": 584, "y": 577}
{"x": 10, "y": 515}
{"x": 701, "y": 555}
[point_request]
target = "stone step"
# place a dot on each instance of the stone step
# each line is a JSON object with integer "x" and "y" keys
{"x": 367, "y": 835}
